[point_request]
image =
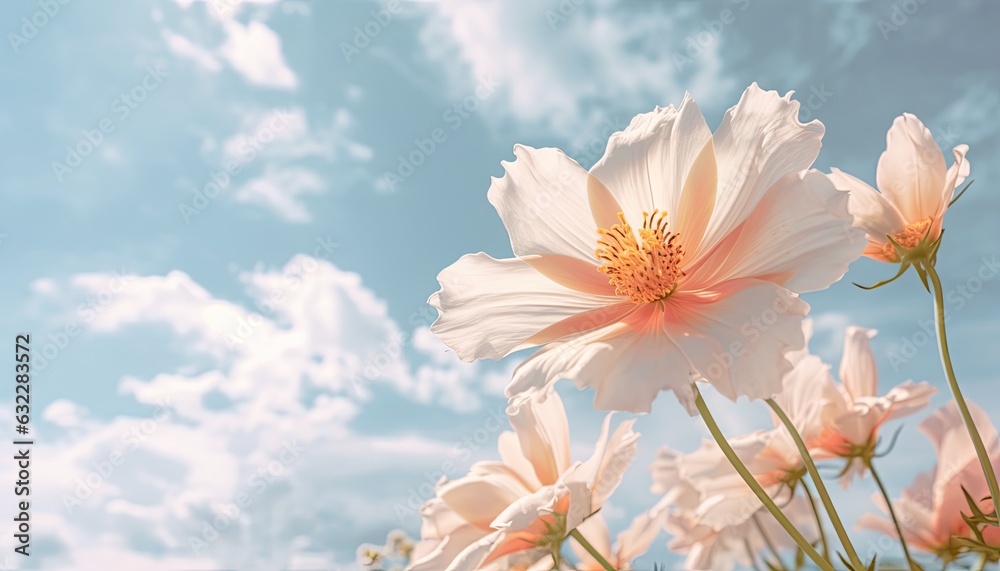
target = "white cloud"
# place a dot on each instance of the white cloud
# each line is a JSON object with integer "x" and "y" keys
{"x": 140, "y": 490}
{"x": 184, "y": 47}
{"x": 280, "y": 189}
{"x": 563, "y": 71}
{"x": 254, "y": 51}
{"x": 282, "y": 139}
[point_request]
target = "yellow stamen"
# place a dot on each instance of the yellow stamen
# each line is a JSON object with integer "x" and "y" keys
{"x": 909, "y": 237}
{"x": 646, "y": 271}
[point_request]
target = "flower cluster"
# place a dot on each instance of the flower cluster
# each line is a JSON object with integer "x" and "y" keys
{"x": 676, "y": 263}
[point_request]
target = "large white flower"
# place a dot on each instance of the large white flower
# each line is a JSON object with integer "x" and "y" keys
{"x": 679, "y": 256}
{"x": 515, "y": 511}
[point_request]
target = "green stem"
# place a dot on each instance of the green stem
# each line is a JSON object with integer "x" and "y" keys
{"x": 824, "y": 495}
{"x": 819, "y": 520}
{"x": 769, "y": 543}
{"x": 765, "y": 499}
{"x": 892, "y": 513}
{"x": 575, "y": 534}
{"x": 956, "y": 391}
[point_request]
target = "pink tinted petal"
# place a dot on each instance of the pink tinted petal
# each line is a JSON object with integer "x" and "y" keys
{"x": 694, "y": 209}
{"x": 435, "y": 555}
{"x": 645, "y": 166}
{"x": 799, "y": 236}
{"x": 636, "y": 540}
{"x": 573, "y": 273}
{"x": 760, "y": 141}
{"x": 858, "y": 370}
{"x": 511, "y": 455}
{"x": 604, "y": 470}
{"x": 603, "y": 205}
{"x": 911, "y": 172}
{"x": 953, "y": 179}
{"x": 908, "y": 397}
{"x": 742, "y": 337}
{"x": 542, "y": 200}
{"x": 488, "y": 307}
{"x": 872, "y": 212}
{"x": 479, "y": 500}
{"x": 627, "y": 364}
{"x": 802, "y": 395}
{"x": 539, "y": 420}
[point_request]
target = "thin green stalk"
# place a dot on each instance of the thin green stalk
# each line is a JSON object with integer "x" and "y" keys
{"x": 575, "y": 534}
{"x": 824, "y": 495}
{"x": 819, "y": 520}
{"x": 769, "y": 543}
{"x": 956, "y": 391}
{"x": 892, "y": 513}
{"x": 765, "y": 499}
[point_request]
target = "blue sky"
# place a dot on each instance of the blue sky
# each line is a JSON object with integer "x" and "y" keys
{"x": 143, "y": 267}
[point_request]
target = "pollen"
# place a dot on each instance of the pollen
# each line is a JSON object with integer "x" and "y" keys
{"x": 645, "y": 269}
{"x": 907, "y": 238}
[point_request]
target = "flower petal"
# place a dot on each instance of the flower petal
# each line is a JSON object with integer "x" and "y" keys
{"x": 738, "y": 341}
{"x": 625, "y": 363}
{"x": 760, "y": 141}
{"x": 858, "y": 370}
{"x": 488, "y": 307}
{"x": 542, "y": 200}
{"x": 800, "y": 236}
{"x": 539, "y": 420}
{"x": 479, "y": 500}
{"x": 604, "y": 470}
{"x": 872, "y": 212}
{"x": 911, "y": 172}
{"x": 645, "y": 166}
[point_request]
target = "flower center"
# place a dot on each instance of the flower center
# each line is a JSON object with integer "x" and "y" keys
{"x": 646, "y": 269}
{"x": 908, "y": 238}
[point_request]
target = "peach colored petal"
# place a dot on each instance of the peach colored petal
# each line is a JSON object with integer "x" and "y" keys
{"x": 542, "y": 200}
{"x": 872, "y": 212}
{"x": 572, "y": 273}
{"x": 645, "y": 165}
{"x": 858, "y": 370}
{"x": 759, "y": 141}
{"x": 543, "y": 432}
{"x": 478, "y": 499}
{"x": 798, "y": 236}
{"x": 488, "y": 308}
{"x": 911, "y": 171}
